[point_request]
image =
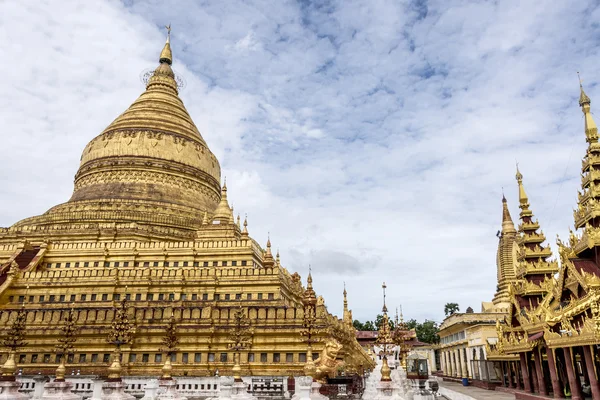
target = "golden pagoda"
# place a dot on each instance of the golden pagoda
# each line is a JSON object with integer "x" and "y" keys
{"x": 149, "y": 223}
{"x": 554, "y": 322}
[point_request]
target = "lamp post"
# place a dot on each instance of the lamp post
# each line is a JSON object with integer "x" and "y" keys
{"x": 384, "y": 338}
{"x": 309, "y": 302}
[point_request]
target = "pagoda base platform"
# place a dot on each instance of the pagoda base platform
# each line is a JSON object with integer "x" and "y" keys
{"x": 115, "y": 391}
{"x": 9, "y": 390}
{"x": 59, "y": 390}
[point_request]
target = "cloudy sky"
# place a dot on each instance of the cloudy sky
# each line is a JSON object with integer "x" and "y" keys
{"x": 372, "y": 138}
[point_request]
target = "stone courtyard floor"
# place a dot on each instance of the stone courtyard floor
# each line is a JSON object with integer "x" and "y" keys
{"x": 477, "y": 393}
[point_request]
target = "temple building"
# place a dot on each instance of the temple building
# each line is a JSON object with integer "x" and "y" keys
{"x": 465, "y": 337}
{"x": 553, "y": 326}
{"x": 150, "y": 223}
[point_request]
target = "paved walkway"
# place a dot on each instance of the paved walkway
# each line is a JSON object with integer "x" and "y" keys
{"x": 477, "y": 393}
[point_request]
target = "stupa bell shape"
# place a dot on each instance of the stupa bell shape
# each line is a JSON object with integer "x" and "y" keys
{"x": 150, "y": 166}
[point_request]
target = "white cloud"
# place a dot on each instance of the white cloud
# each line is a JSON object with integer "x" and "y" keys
{"x": 371, "y": 138}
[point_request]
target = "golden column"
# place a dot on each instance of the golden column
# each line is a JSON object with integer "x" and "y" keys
{"x": 240, "y": 338}
{"x": 121, "y": 333}
{"x": 384, "y": 339}
{"x": 309, "y": 301}
{"x": 64, "y": 348}
{"x": 14, "y": 340}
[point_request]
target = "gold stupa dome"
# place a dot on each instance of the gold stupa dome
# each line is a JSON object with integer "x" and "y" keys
{"x": 150, "y": 166}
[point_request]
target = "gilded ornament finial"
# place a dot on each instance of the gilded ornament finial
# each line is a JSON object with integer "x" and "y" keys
{"x": 591, "y": 130}
{"x": 583, "y": 98}
{"x": 166, "y": 56}
{"x": 523, "y": 199}
{"x": 245, "y": 231}
{"x": 384, "y": 309}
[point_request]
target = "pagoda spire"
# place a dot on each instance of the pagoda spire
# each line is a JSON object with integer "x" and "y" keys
{"x": 532, "y": 254}
{"x": 268, "y": 257}
{"x": 224, "y": 213}
{"x": 507, "y": 223}
{"x": 505, "y": 257}
{"x": 346, "y": 315}
{"x": 245, "y": 230}
{"x": 165, "y": 55}
{"x": 588, "y": 208}
{"x": 591, "y": 130}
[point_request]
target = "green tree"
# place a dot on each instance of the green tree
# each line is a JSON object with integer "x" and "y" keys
{"x": 367, "y": 326}
{"x": 370, "y": 326}
{"x": 411, "y": 324}
{"x": 427, "y": 332}
{"x": 451, "y": 308}
{"x": 359, "y": 326}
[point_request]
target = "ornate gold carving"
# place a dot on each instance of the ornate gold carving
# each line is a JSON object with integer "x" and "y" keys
{"x": 326, "y": 365}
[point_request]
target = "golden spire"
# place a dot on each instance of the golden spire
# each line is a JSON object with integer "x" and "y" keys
{"x": 165, "y": 55}
{"x": 384, "y": 309}
{"x": 347, "y": 316}
{"x": 309, "y": 296}
{"x": 278, "y": 259}
{"x": 239, "y": 224}
{"x": 223, "y": 212}
{"x": 245, "y": 231}
{"x": 530, "y": 241}
{"x": 268, "y": 258}
{"x": 345, "y": 300}
{"x": 269, "y": 245}
{"x": 507, "y": 223}
{"x": 523, "y": 199}
{"x": 591, "y": 130}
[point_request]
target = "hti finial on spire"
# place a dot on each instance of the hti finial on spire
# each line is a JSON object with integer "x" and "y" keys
{"x": 384, "y": 309}
{"x": 523, "y": 200}
{"x": 583, "y": 98}
{"x": 591, "y": 130}
{"x": 165, "y": 55}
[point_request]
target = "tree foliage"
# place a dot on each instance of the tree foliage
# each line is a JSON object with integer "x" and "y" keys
{"x": 427, "y": 332}
{"x": 451, "y": 308}
{"x": 367, "y": 326}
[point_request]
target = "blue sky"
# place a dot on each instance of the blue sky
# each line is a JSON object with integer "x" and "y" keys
{"x": 372, "y": 139}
